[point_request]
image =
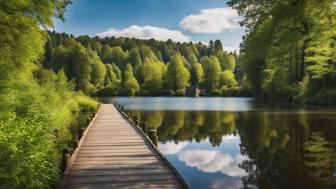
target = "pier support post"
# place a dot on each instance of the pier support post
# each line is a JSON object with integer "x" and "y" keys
{"x": 65, "y": 159}
{"x": 152, "y": 135}
{"x": 135, "y": 119}
{"x": 80, "y": 133}
{"x": 88, "y": 120}
{"x": 144, "y": 127}
{"x": 122, "y": 108}
{"x": 75, "y": 144}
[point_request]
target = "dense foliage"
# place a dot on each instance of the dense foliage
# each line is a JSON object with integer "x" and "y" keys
{"x": 289, "y": 49}
{"x": 36, "y": 104}
{"x": 126, "y": 66}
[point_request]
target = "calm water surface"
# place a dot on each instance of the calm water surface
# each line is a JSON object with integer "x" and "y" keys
{"x": 242, "y": 143}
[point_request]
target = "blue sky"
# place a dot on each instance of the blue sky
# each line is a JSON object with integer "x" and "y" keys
{"x": 181, "y": 20}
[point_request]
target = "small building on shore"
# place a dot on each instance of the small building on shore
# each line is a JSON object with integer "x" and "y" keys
{"x": 195, "y": 91}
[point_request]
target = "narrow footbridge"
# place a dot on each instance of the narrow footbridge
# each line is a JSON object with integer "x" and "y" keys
{"x": 114, "y": 153}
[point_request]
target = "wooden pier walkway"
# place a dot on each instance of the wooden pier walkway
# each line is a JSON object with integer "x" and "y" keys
{"x": 113, "y": 153}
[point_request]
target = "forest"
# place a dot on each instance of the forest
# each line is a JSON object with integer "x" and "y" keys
{"x": 289, "y": 49}
{"x": 127, "y": 66}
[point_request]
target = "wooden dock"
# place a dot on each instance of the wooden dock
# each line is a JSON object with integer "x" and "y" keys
{"x": 114, "y": 153}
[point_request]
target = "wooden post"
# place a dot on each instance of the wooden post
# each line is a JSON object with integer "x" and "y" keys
{"x": 144, "y": 127}
{"x": 75, "y": 144}
{"x": 152, "y": 135}
{"x": 134, "y": 118}
{"x": 88, "y": 120}
{"x": 122, "y": 108}
{"x": 80, "y": 133}
{"x": 65, "y": 159}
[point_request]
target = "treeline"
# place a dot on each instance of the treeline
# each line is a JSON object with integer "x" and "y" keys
{"x": 126, "y": 66}
{"x": 37, "y": 105}
{"x": 289, "y": 51}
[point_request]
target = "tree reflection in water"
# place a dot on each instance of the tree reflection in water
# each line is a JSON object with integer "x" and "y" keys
{"x": 285, "y": 150}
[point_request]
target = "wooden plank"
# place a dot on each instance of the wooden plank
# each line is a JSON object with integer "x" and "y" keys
{"x": 112, "y": 161}
{"x": 111, "y": 158}
{"x": 114, "y": 154}
{"x": 102, "y": 172}
{"x": 129, "y": 167}
{"x": 128, "y": 185}
{"x": 119, "y": 178}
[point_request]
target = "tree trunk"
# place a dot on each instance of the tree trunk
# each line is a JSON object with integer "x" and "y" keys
{"x": 303, "y": 55}
{"x": 297, "y": 74}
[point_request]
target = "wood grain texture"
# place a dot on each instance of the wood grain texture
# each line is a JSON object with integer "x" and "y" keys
{"x": 115, "y": 155}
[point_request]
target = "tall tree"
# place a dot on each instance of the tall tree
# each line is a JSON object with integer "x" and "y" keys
{"x": 177, "y": 75}
{"x": 131, "y": 85}
{"x": 218, "y": 46}
{"x": 134, "y": 58}
{"x": 212, "y": 72}
{"x": 153, "y": 72}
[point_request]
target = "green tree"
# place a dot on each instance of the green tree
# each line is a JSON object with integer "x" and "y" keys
{"x": 153, "y": 72}
{"x": 131, "y": 85}
{"x": 106, "y": 54}
{"x": 218, "y": 46}
{"x": 212, "y": 72}
{"x": 227, "y": 79}
{"x": 177, "y": 75}
{"x": 197, "y": 74}
{"x": 98, "y": 70}
{"x": 117, "y": 71}
{"x": 135, "y": 58}
{"x": 111, "y": 79}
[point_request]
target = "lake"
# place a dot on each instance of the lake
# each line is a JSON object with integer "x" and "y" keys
{"x": 242, "y": 143}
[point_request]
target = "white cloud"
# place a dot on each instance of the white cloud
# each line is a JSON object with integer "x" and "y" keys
{"x": 227, "y": 183}
{"x": 231, "y": 48}
{"x": 212, "y": 161}
{"x": 146, "y": 32}
{"x": 170, "y": 148}
{"x": 214, "y": 20}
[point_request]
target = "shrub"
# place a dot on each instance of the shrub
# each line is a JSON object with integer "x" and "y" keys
{"x": 106, "y": 92}
{"x": 73, "y": 106}
{"x": 232, "y": 91}
{"x": 180, "y": 92}
{"x": 170, "y": 92}
{"x": 326, "y": 97}
{"x": 215, "y": 92}
{"x": 86, "y": 103}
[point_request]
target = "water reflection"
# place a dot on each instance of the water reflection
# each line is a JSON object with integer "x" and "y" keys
{"x": 279, "y": 148}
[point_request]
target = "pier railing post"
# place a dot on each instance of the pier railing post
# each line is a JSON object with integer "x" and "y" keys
{"x": 65, "y": 159}
{"x": 136, "y": 120}
{"x": 75, "y": 144}
{"x": 80, "y": 133}
{"x": 88, "y": 121}
{"x": 144, "y": 127}
{"x": 152, "y": 135}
